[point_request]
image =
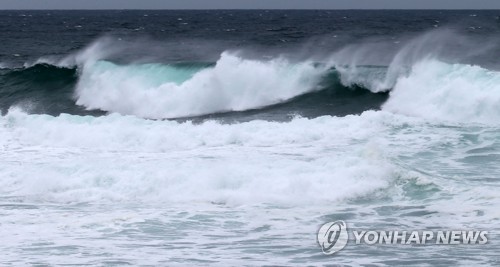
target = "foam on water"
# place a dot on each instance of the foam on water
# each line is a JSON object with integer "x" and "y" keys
{"x": 322, "y": 160}
{"x": 448, "y": 92}
{"x": 372, "y": 78}
{"x": 234, "y": 84}
{"x": 88, "y": 159}
{"x": 125, "y": 182}
{"x": 123, "y": 190}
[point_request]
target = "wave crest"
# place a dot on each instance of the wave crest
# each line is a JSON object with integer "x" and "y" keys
{"x": 233, "y": 84}
{"x": 448, "y": 92}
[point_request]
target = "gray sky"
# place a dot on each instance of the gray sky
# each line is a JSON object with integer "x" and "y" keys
{"x": 245, "y": 4}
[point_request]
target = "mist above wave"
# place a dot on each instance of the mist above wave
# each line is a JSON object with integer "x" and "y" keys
{"x": 417, "y": 71}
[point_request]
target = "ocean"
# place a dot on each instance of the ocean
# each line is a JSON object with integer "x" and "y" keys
{"x": 229, "y": 137}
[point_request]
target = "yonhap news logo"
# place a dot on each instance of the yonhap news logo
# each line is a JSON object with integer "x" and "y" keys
{"x": 334, "y": 236}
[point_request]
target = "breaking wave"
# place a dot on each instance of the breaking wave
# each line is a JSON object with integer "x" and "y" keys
{"x": 448, "y": 92}
{"x": 415, "y": 81}
{"x": 430, "y": 88}
{"x": 161, "y": 91}
{"x": 178, "y": 90}
{"x": 124, "y": 158}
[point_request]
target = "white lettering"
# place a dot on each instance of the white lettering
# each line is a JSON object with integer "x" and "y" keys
{"x": 443, "y": 237}
{"x": 385, "y": 237}
{"x": 455, "y": 237}
{"x": 414, "y": 237}
{"x": 373, "y": 240}
{"x": 358, "y": 235}
{"x": 426, "y": 236}
{"x": 402, "y": 237}
{"x": 483, "y": 237}
{"x": 470, "y": 237}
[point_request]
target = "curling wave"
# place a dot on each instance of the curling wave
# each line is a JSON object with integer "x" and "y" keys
{"x": 162, "y": 91}
{"x": 428, "y": 88}
{"x": 41, "y": 88}
{"x": 137, "y": 89}
{"x": 448, "y": 92}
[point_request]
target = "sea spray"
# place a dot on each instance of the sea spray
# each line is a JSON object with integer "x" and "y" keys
{"x": 233, "y": 84}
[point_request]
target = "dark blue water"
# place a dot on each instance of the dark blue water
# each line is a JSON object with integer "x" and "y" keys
{"x": 201, "y": 36}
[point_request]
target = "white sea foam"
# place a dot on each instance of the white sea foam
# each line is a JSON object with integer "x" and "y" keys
{"x": 103, "y": 182}
{"x": 127, "y": 158}
{"x": 372, "y": 78}
{"x": 448, "y": 92}
{"x": 302, "y": 162}
{"x": 234, "y": 84}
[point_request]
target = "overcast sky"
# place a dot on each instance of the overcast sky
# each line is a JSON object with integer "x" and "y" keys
{"x": 253, "y": 4}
